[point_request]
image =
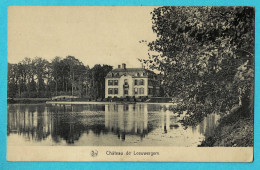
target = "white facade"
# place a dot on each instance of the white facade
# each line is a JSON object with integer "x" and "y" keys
{"x": 122, "y": 82}
{"x": 126, "y": 87}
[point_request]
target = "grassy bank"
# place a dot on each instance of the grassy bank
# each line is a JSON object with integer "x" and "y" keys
{"x": 27, "y": 100}
{"x": 234, "y": 130}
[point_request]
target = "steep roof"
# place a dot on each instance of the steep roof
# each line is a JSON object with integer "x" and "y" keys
{"x": 135, "y": 72}
{"x": 128, "y": 70}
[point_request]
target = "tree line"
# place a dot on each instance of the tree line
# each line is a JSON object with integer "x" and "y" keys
{"x": 206, "y": 55}
{"x": 39, "y": 78}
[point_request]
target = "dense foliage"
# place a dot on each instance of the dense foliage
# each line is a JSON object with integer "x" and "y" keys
{"x": 38, "y": 77}
{"x": 206, "y": 55}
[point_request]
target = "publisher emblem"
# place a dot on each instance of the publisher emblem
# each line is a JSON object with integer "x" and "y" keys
{"x": 94, "y": 153}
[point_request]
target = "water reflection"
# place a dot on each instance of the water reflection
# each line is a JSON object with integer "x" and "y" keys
{"x": 30, "y": 122}
{"x": 111, "y": 124}
{"x": 207, "y": 126}
{"x": 127, "y": 119}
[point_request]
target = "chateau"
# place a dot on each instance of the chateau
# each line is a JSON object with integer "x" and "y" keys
{"x": 132, "y": 82}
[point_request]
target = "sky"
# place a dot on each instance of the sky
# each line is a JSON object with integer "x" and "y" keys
{"x": 94, "y": 35}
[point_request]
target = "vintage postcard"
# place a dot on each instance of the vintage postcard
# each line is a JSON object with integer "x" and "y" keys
{"x": 130, "y": 83}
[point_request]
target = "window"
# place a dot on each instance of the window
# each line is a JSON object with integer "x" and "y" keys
{"x": 110, "y": 91}
{"x": 113, "y": 82}
{"x": 141, "y": 82}
{"x": 141, "y": 90}
{"x": 126, "y": 108}
{"x": 110, "y": 82}
{"x": 125, "y": 91}
{"x": 115, "y": 90}
{"x": 136, "y": 90}
{"x": 125, "y": 82}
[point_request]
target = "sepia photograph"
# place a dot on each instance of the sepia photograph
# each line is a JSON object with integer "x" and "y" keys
{"x": 130, "y": 83}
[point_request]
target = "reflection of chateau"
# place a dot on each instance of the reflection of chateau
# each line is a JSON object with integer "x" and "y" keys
{"x": 127, "y": 119}
{"x": 68, "y": 122}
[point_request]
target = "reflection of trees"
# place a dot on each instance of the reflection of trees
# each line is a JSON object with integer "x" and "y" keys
{"x": 165, "y": 121}
{"x": 211, "y": 123}
{"x": 207, "y": 126}
{"x": 31, "y": 122}
{"x": 69, "y": 122}
{"x": 62, "y": 122}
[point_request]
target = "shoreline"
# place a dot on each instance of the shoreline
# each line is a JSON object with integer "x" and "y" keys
{"x": 95, "y": 102}
{"x": 233, "y": 130}
{"x": 27, "y": 100}
{"x": 49, "y": 101}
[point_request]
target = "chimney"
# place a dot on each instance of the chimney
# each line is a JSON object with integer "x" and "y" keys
{"x": 123, "y": 66}
{"x": 119, "y": 66}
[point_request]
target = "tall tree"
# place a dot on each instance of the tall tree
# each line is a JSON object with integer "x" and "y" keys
{"x": 29, "y": 69}
{"x": 39, "y": 78}
{"x": 41, "y": 68}
{"x": 206, "y": 55}
{"x": 75, "y": 68}
{"x": 12, "y": 80}
{"x": 96, "y": 79}
{"x": 56, "y": 73}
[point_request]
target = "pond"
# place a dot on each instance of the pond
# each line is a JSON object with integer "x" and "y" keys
{"x": 101, "y": 125}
